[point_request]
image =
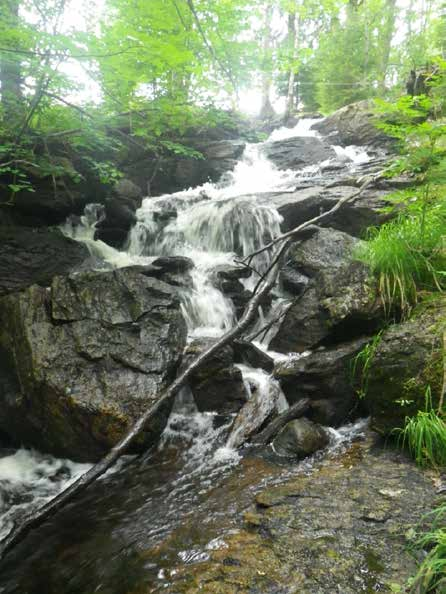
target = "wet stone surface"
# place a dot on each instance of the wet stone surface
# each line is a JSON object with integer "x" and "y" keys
{"x": 342, "y": 529}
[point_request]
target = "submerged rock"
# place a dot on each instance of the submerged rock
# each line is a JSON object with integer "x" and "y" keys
{"x": 35, "y": 256}
{"x": 408, "y": 359}
{"x": 86, "y": 358}
{"x": 342, "y": 527}
{"x": 300, "y": 438}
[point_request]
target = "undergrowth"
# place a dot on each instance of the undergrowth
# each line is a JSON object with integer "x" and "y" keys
{"x": 431, "y": 574}
{"x": 424, "y": 435}
{"x": 407, "y": 259}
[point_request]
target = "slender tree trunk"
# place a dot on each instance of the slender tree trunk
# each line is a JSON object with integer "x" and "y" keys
{"x": 267, "y": 110}
{"x": 293, "y": 45}
{"x": 386, "y": 42}
{"x": 10, "y": 66}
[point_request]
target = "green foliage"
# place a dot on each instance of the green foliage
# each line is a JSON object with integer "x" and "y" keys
{"x": 424, "y": 435}
{"x": 408, "y": 254}
{"x": 362, "y": 363}
{"x": 431, "y": 574}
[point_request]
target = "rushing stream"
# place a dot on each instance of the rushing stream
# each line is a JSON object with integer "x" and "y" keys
{"x": 174, "y": 504}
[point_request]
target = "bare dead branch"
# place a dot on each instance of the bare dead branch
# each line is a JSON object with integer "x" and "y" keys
{"x": 294, "y": 232}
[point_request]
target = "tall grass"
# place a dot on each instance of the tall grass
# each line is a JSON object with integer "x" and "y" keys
{"x": 431, "y": 574}
{"x": 407, "y": 254}
{"x": 425, "y": 435}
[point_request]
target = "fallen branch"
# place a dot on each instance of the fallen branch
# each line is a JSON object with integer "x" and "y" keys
{"x": 265, "y": 285}
{"x": 317, "y": 219}
{"x": 294, "y": 412}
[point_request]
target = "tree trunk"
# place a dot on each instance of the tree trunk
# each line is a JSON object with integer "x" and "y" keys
{"x": 386, "y": 42}
{"x": 267, "y": 110}
{"x": 10, "y": 67}
{"x": 293, "y": 45}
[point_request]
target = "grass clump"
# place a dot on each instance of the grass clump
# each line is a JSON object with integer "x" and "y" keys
{"x": 424, "y": 435}
{"x": 431, "y": 574}
{"x": 408, "y": 255}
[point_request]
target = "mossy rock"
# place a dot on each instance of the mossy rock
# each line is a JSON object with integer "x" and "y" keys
{"x": 408, "y": 359}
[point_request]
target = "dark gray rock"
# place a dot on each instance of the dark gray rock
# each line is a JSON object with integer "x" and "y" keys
{"x": 248, "y": 354}
{"x": 218, "y": 386}
{"x": 327, "y": 250}
{"x": 326, "y": 378}
{"x": 300, "y": 438}
{"x": 228, "y": 272}
{"x": 298, "y": 152}
{"x": 35, "y": 256}
{"x": 89, "y": 357}
{"x": 219, "y": 157}
{"x": 174, "y": 264}
{"x": 353, "y": 217}
{"x": 352, "y": 124}
{"x": 338, "y": 305}
{"x": 293, "y": 281}
{"x": 339, "y": 298}
{"x": 127, "y": 190}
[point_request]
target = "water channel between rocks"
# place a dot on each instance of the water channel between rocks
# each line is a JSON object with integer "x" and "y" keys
{"x": 177, "y": 503}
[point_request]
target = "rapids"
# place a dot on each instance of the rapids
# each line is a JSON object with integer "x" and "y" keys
{"x": 173, "y": 504}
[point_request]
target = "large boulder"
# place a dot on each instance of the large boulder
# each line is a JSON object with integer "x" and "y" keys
{"x": 338, "y": 304}
{"x": 35, "y": 256}
{"x": 300, "y": 438}
{"x": 86, "y": 358}
{"x": 327, "y": 249}
{"x": 407, "y": 359}
{"x": 218, "y": 386}
{"x": 326, "y": 378}
{"x": 298, "y": 152}
{"x": 352, "y": 124}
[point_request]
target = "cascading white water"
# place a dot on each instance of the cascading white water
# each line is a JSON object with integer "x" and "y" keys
{"x": 26, "y": 471}
{"x": 214, "y": 224}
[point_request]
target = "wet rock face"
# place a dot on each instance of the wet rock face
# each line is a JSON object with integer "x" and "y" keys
{"x": 300, "y": 438}
{"x": 325, "y": 250}
{"x": 29, "y": 256}
{"x": 353, "y": 218}
{"x": 325, "y": 377}
{"x": 340, "y": 301}
{"x": 342, "y": 528}
{"x": 86, "y": 358}
{"x": 352, "y": 124}
{"x": 298, "y": 152}
{"x": 218, "y": 385}
{"x": 408, "y": 359}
